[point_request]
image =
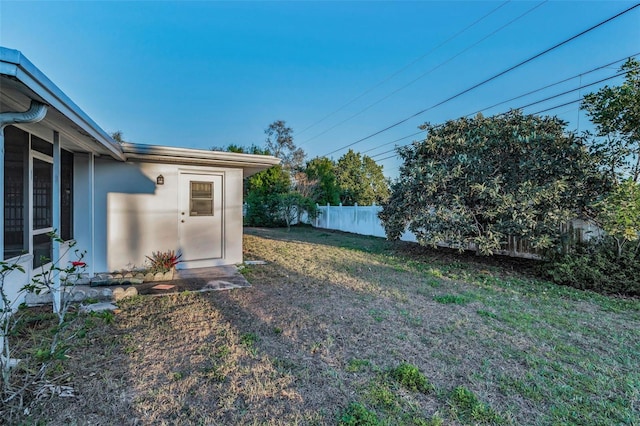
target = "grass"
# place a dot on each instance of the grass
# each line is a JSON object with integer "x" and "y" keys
{"x": 345, "y": 329}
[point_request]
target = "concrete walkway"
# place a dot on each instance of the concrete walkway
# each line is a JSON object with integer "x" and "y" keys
{"x": 197, "y": 279}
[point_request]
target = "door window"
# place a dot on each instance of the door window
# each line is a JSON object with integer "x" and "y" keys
{"x": 201, "y": 200}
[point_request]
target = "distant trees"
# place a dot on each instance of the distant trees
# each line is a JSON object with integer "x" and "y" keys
{"x": 360, "y": 180}
{"x": 280, "y": 144}
{"x": 321, "y": 171}
{"x": 277, "y": 196}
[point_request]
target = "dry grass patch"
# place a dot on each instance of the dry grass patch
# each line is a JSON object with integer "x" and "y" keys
{"x": 343, "y": 328}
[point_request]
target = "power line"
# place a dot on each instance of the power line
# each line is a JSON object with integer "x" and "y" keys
{"x": 409, "y": 65}
{"x": 387, "y": 143}
{"x": 500, "y": 74}
{"x": 441, "y": 64}
{"x": 535, "y": 103}
{"x": 556, "y": 83}
{"x": 526, "y": 94}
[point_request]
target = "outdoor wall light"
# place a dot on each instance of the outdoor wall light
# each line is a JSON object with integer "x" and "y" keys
{"x": 160, "y": 180}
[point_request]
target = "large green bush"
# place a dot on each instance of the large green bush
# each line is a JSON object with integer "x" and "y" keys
{"x": 597, "y": 266}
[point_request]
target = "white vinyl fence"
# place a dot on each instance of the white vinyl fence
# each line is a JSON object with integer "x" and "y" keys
{"x": 364, "y": 220}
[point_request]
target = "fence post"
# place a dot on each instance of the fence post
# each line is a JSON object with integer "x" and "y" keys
{"x": 328, "y": 216}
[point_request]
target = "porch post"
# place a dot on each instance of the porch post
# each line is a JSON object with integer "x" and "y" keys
{"x": 55, "y": 252}
{"x": 92, "y": 197}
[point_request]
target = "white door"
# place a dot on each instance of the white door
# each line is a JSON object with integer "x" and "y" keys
{"x": 200, "y": 218}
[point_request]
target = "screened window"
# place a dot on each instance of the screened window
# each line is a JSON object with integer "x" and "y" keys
{"x": 42, "y": 194}
{"x": 201, "y": 199}
{"x": 42, "y": 249}
{"x": 66, "y": 195}
{"x": 16, "y": 148}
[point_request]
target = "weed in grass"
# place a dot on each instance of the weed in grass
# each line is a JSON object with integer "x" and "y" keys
{"x": 248, "y": 339}
{"x": 380, "y": 395}
{"x": 357, "y": 414}
{"x": 175, "y": 376}
{"x": 411, "y": 319}
{"x": 356, "y": 365}
{"x": 454, "y": 299}
{"x": 378, "y": 314}
{"x": 486, "y": 314}
{"x": 466, "y": 407}
{"x": 436, "y": 420}
{"x": 410, "y": 377}
{"x": 277, "y": 330}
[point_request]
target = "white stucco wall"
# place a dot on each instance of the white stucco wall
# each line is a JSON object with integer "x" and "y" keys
{"x": 135, "y": 217}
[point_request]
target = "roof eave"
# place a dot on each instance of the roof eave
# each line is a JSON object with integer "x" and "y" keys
{"x": 250, "y": 163}
{"x": 15, "y": 64}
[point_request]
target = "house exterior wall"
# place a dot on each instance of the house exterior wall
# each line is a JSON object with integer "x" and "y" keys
{"x": 135, "y": 217}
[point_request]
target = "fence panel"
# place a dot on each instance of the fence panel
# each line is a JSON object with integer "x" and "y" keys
{"x": 364, "y": 220}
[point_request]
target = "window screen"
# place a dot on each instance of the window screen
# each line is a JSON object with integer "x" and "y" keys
{"x": 42, "y": 194}
{"x": 66, "y": 195}
{"x": 16, "y": 145}
{"x": 201, "y": 202}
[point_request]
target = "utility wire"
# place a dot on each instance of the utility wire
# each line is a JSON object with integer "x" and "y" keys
{"x": 519, "y": 97}
{"x": 556, "y": 83}
{"x": 441, "y": 64}
{"x": 404, "y": 68}
{"x": 483, "y": 82}
{"x": 541, "y": 101}
{"x": 387, "y": 143}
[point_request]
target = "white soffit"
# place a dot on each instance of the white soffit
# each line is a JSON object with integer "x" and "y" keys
{"x": 250, "y": 163}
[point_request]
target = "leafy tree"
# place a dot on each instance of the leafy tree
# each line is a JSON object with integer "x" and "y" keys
{"x": 619, "y": 214}
{"x": 240, "y": 149}
{"x": 360, "y": 180}
{"x": 615, "y": 111}
{"x": 321, "y": 170}
{"x": 482, "y": 180}
{"x": 280, "y": 144}
{"x": 118, "y": 136}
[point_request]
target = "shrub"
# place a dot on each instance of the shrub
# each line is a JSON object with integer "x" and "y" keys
{"x": 163, "y": 261}
{"x": 597, "y": 266}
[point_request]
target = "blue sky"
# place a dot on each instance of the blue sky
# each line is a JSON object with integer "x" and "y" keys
{"x": 203, "y": 74}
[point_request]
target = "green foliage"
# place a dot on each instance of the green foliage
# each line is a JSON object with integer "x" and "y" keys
{"x": 619, "y": 214}
{"x": 480, "y": 180}
{"x": 360, "y": 180}
{"x": 615, "y": 111}
{"x": 292, "y": 205}
{"x": 263, "y": 192}
{"x": 410, "y": 377}
{"x": 322, "y": 171}
{"x": 451, "y": 299}
{"x": 599, "y": 266}
{"x": 466, "y": 406}
{"x": 357, "y": 414}
{"x": 239, "y": 149}
{"x": 162, "y": 261}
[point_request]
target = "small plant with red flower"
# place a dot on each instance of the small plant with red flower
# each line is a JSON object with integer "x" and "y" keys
{"x": 163, "y": 261}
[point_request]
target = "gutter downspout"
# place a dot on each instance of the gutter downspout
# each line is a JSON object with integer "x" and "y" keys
{"x": 36, "y": 112}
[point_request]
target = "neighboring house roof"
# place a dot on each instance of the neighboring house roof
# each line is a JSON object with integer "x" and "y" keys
{"x": 21, "y": 81}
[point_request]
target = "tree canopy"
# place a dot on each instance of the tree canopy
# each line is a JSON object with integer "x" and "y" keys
{"x": 480, "y": 180}
{"x": 280, "y": 144}
{"x": 321, "y": 171}
{"x": 615, "y": 111}
{"x": 360, "y": 180}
